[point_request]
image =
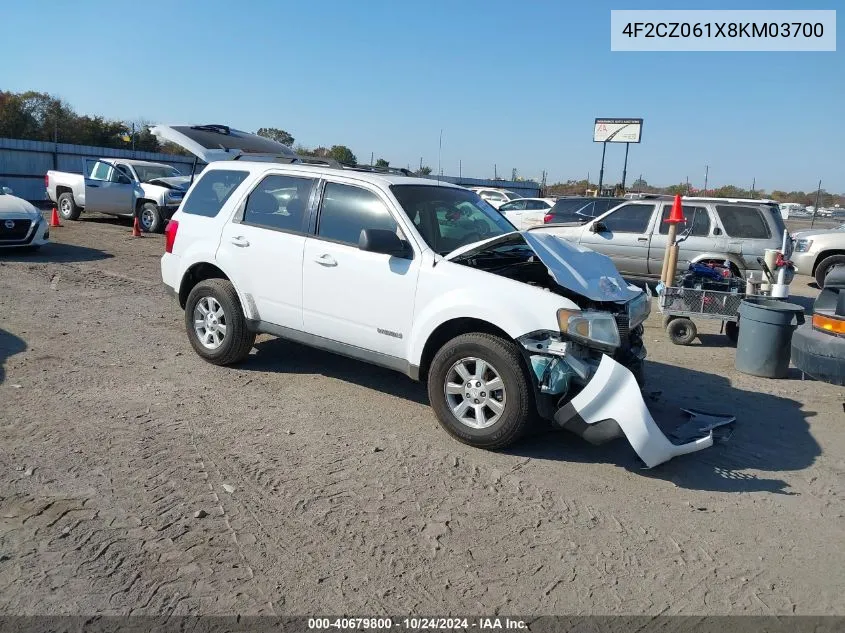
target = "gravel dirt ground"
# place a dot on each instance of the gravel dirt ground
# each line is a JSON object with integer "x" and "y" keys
{"x": 137, "y": 479}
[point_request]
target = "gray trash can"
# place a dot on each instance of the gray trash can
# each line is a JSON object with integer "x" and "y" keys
{"x": 765, "y": 336}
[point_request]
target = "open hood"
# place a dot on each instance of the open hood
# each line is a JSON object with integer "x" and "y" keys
{"x": 171, "y": 182}
{"x": 574, "y": 267}
{"x": 219, "y": 142}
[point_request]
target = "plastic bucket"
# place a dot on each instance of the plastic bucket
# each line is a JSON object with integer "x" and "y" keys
{"x": 765, "y": 336}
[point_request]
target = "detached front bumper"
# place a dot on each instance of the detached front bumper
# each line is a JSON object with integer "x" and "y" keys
{"x": 611, "y": 405}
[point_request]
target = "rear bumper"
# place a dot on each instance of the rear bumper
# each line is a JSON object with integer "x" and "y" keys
{"x": 819, "y": 355}
{"x": 611, "y": 405}
{"x": 170, "y": 273}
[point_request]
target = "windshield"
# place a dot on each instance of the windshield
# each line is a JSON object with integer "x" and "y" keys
{"x": 147, "y": 173}
{"x": 510, "y": 195}
{"x": 448, "y": 217}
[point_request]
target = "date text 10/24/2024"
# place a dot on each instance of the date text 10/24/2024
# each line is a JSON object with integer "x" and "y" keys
{"x": 418, "y": 624}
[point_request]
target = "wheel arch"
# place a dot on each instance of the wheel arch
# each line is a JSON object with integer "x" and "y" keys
{"x": 195, "y": 273}
{"x": 737, "y": 263}
{"x": 450, "y": 329}
{"x": 823, "y": 255}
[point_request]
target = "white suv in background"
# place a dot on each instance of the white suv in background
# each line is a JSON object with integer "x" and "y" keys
{"x": 496, "y": 197}
{"x": 420, "y": 277}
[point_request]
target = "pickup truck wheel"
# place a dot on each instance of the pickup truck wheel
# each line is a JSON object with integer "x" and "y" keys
{"x": 824, "y": 267}
{"x": 479, "y": 391}
{"x": 150, "y": 218}
{"x": 216, "y": 324}
{"x": 67, "y": 207}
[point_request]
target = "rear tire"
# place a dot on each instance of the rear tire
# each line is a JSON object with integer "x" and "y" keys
{"x": 67, "y": 207}
{"x": 221, "y": 346}
{"x": 824, "y": 267}
{"x": 469, "y": 364}
{"x": 150, "y": 218}
{"x": 681, "y": 331}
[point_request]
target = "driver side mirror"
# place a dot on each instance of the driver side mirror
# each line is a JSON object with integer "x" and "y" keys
{"x": 384, "y": 242}
{"x": 598, "y": 227}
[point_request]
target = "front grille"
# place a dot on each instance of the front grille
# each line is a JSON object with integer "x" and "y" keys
{"x": 16, "y": 232}
{"x": 623, "y": 324}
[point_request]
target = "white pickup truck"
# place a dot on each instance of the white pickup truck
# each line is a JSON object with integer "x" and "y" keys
{"x": 120, "y": 187}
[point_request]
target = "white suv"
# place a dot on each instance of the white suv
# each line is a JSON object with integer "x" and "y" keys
{"x": 422, "y": 277}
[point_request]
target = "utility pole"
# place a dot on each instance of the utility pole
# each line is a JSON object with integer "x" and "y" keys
{"x": 640, "y": 184}
{"x": 688, "y": 191}
{"x": 816, "y": 207}
{"x": 495, "y": 172}
{"x": 372, "y": 156}
{"x": 706, "y": 174}
{"x": 753, "y": 184}
{"x": 439, "y": 151}
{"x": 460, "y": 169}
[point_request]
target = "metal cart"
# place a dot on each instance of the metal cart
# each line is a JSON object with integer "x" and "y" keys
{"x": 681, "y": 305}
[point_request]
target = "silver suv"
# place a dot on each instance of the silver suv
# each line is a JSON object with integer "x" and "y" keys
{"x": 634, "y": 233}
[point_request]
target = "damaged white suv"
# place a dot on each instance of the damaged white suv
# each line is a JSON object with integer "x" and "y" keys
{"x": 422, "y": 277}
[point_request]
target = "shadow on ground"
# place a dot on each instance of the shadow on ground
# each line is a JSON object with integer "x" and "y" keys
{"x": 278, "y": 355}
{"x": 9, "y": 346}
{"x": 771, "y": 433}
{"x": 54, "y": 253}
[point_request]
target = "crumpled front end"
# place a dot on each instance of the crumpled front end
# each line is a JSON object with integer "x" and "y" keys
{"x": 608, "y": 402}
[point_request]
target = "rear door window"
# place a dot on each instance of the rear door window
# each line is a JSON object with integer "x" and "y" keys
{"x": 516, "y": 205}
{"x": 697, "y": 217}
{"x": 211, "y": 191}
{"x": 279, "y": 202}
{"x": 743, "y": 221}
{"x": 630, "y": 218}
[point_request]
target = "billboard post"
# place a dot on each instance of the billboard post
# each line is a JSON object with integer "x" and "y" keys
{"x": 625, "y": 167}
{"x": 616, "y": 131}
{"x": 601, "y": 171}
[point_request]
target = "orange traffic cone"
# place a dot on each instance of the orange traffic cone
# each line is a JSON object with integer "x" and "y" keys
{"x": 676, "y": 216}
{"x": 54, "y": 219}
{"x": 136, "y": 228}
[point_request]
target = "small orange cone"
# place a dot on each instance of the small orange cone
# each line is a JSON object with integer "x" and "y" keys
{"x": 54, "y": 219}
{"x": 136, "y": 228}
{"x": 676, "y": 216}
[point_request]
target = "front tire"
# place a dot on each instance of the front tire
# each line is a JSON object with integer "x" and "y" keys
{"x": 216, "y": 324}
{"x": 824, "y": 267}
{"x": 150, "y": 218}
{"x": 480, "y": 392}
{"x": 67, "y": 207}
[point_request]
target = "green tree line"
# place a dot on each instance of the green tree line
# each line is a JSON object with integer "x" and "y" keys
{"x": 807, "y": 198}
{"x": 39, "y": 116}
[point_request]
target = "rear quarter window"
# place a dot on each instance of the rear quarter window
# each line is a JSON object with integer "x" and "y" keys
{"x": 744, "y": 221}
{"x": 211, "y": 192}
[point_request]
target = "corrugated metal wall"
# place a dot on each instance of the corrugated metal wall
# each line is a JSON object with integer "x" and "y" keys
{"x": 526, "y": 188}
{"x": 24, "y": 163}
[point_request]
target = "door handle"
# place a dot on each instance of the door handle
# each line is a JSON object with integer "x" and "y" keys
{"x": 326, "y": 260}
{"x": 642, "y": 239}
{"x": 93, "y": 186}
{"x": 240, "y": 241}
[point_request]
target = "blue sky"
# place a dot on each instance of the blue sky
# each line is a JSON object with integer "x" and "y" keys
{"x": 512, "y": 84}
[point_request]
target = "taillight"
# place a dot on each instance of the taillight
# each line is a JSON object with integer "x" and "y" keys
{"x": 46, "y": 181}
{"x": 828, "y": 324}
{"x": 548, "y": 218}
{"x": 170, "y": 235}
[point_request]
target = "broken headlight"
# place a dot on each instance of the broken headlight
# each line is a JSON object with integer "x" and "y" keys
{"x": 639, "y": 309}
{"x": 592, "y": 329}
